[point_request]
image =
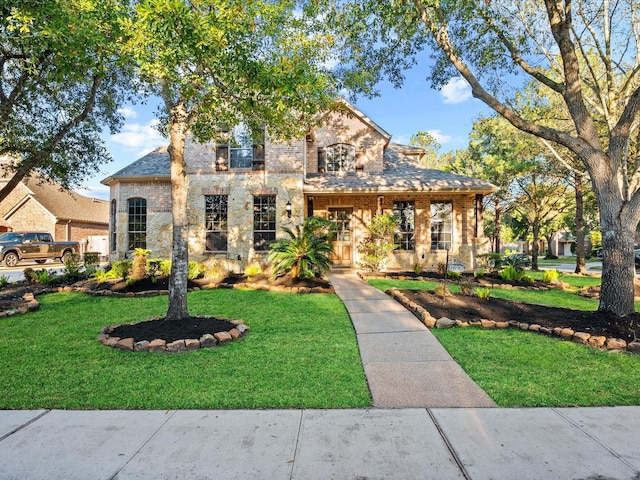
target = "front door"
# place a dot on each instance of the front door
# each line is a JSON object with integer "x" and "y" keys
{"x": 342, "y": 254}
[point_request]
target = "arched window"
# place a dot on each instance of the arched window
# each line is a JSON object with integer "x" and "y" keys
{"x": 339, "y": 157}
{"x": 112, "y": 226}
{"x": 137, "y": 223}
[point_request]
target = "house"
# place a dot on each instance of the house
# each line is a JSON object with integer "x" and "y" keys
{"x": 39, "y": 204}
{"x": 244, "y": 191}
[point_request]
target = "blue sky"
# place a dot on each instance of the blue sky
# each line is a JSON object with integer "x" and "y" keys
{"x": 447, "y": 114}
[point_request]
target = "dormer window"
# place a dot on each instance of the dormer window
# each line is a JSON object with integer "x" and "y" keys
{"x": 340, "y": 157}
{"x": 244, "y": 150}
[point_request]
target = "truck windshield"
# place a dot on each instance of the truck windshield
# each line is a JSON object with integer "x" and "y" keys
{"x": 11, "y": 237}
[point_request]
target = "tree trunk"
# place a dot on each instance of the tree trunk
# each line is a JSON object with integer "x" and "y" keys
{"x": 618, "y": 226}
{"x": 535, "y": 247}
{"x": 496, "y": 231}
{"x": 581, "y": 265}
{"x": 549, "y": 239}
{"x": 179, "y": 189}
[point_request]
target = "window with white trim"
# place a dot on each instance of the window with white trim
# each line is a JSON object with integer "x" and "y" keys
{"x": 244, "y": 150}
{"x": 340, "y": 157}
{"x": 405, "y": 236}
{"x": 441, "y": 225}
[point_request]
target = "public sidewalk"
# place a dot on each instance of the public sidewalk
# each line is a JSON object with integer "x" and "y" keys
{"x": 404, "y": 444}
{"x": 404, "y": 363}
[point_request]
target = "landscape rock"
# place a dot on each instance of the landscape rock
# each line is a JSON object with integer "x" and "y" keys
{"x": 177, "y": 346}
{"x": 242, "y": 328}
{"x": 222, "y": 337}
{"x": 141, "y": 346}
{"x": 488, "y": 323}
{"x": 428, "y": 320}
{"x": 581, "y": 337}
{"x": 157, "y": 345}
{"x": 615, "y": 344}
{"x": 597, "y": 341}
{"x": 445, "y": 322}
{"x": 125, "y": 344}
{"x": 502, "y": 324}
{"x": 192, "y": 344}
{"x": 235, "y": 333}
{"x": 566, "y": 333}
{"x": 634, "y": 347}
{"x": 208, "y": 340}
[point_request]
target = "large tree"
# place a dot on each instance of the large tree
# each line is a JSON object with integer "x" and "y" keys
{"x": 584, "y": 53}
{"x": 220, "y": 63}
{"x": 62, "y": 79}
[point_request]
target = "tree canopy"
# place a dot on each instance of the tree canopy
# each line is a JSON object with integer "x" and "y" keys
{"x": 62, "y": 80}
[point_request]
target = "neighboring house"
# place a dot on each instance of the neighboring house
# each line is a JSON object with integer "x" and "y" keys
{"x": 39, "y": 205}
{"x": 242, "y": 193}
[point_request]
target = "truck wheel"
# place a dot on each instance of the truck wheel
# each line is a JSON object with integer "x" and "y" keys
{"x": 66, "y": 256}
{"x": 11, "y": 259}
{"x": 40, "y": 261}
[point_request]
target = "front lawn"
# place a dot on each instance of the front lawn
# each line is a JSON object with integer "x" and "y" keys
{"x": 301, "y": 352}
{"x": 524, "y": 369}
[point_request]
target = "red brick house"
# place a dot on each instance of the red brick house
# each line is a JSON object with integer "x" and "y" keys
{"x": 39, "y": 205}
{"x": 243, "y": 192}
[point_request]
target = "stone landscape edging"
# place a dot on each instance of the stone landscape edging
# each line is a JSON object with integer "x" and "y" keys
{"x": 30, "y": 305}
{"x": 207, "y": 340}
{"x": 595, "y": 341}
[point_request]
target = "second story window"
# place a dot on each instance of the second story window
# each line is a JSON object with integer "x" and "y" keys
{"x": 244, "y": 150}
{"x": 340, "y": 157}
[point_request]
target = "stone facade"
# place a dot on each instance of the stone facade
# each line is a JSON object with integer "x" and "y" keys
{"x": 370, "y": 187}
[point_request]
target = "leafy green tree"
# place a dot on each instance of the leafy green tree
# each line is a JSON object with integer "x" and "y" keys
{"x": 431, "y": 157}
{"x": 62, "y": 79}
{"x": 583, "y": 53}
{"x": 375, "y": 249}
{"x": 306, "y": 252}
{"x": 214, "y": 63}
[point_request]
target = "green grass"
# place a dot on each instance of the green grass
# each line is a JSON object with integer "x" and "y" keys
{"x": 525, "y": 369}
{"x": 300, "y": 353}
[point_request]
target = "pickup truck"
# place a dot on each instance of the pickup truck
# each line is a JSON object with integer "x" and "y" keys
{"x": 38, "y": 246}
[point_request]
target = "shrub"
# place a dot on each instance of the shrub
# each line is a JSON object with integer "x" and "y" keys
{"x": 195, "y": 270}
{"x": 72, "y": 266}
{"x": 100, "y": 276}
{"x": 153, "y": 267}
{"x": 4, "y": 281}
{"x": 483, "y": 293}
{"x": 306, "y": 252}
{"x": 139, "y": 265}
{"x": 550, "y": 275}
{"x": 441, "y": 268}
{"x": 478, "y": 272}
{"x": 252, "y": 270}
{"x": 376, "y": 247}
{"x": 451, "y": 274}
{"x": 511, "y": 274}
{"x": 121, "y": 268}
{"x": 28, "y": 275}
{"x": 91, "y": 259}
{"x": 442, "y": 289}
{"x": 214, "y": 269}
{"x": 44, "y": 277}
{"x": 528, "y": 279}
{"x": 466, "y": 289}
{"x": 417, "y": 269}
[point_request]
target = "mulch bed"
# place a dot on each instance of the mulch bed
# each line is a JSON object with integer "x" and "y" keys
{"x": 170, "y": 331}
{"x": 468, "y": 308}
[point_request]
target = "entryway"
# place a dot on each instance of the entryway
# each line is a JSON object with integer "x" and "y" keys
{"x": 342, "y": 254}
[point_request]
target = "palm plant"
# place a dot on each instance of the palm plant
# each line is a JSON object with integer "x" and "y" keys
{"x": 306, "y": 252}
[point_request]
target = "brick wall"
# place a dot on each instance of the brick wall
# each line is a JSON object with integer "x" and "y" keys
{"x": 349, "y": 129}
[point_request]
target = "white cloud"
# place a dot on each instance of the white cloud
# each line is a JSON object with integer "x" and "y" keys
{"x": 457, "y": 90}
{"x": 440, "y": 137}
{"x": 142, "y": 138}
{"x": 127, "y": 112}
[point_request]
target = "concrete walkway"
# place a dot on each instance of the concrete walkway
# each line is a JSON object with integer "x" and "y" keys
{"x": 404, "y": 363}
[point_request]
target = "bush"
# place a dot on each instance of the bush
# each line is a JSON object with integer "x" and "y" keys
{"x": 72, "y": 266}
{"x": 417, "y": 269}
{"x": 252, "y": 270}
{"x": 91, "y": 259}
{"x": 478, "y": 272}
{"x": 44, "y": 277}
{"x": 195, "y": 270}
{"x": 100, "y": 276}
{"x": 511, "y": 274}
{"x": 483, "y": 293}
{"x": 550, "y": 275}
{"x": 451, "y": 274}
{"x": 121, "y": 268}
{"x": 306, "y": 252}
{"x": 4, "y": 281}
{"x": 376, "y": 248}
{"x": 214, "y": 269}
{"x": 28, "y": 275}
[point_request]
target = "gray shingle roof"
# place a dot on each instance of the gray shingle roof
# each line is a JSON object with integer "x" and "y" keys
{"x": 155, "y": 164}
{"x": 401, "y": 173}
